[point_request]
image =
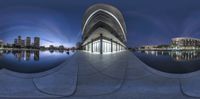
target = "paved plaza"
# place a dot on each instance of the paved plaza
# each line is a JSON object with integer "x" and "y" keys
{"x": 94, "y": 76}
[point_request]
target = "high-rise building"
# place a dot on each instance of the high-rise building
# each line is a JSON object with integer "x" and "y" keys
{"x": 36, "y": 42}
{"x": 28, "y": 41}
{"x": 19, "y": 41}
{"x": 22, "y": 43}
{"x": 15, "y": 41}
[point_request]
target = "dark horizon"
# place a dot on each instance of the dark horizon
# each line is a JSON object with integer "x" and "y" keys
{"x": 59, "y": 23}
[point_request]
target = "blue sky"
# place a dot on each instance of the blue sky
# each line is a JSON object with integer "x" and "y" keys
{"x": 59, "y": 21}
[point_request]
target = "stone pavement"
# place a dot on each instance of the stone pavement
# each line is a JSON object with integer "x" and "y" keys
{"x": 92, "y": 76}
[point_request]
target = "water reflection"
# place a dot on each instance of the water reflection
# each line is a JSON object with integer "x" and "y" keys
{"x": 32, "y": 61}
{"x": 177, "y": 55}
{"x": 171, "y": 61}
{"x": 26, "y": 54}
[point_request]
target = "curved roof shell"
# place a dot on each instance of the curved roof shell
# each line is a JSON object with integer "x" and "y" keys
{"x": 104, "y": 16}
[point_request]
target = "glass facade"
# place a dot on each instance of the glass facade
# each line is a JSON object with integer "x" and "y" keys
{"x": 108, "y": 46}
{"x": 96, "y": 46}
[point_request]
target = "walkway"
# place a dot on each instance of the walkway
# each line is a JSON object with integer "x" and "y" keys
{"x": 93, "y": 76}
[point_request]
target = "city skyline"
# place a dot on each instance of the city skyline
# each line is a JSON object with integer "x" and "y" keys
{"x": 28, "y": 42}
{"x": 43, "y": 41}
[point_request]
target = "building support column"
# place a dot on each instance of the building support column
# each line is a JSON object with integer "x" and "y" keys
{"x": 92, "y": 46}
{"x": 101, "y": 44}
{"x": 111, "y": 45}
{"x": 87, "y": 47}
{"x": 116, "y": 47}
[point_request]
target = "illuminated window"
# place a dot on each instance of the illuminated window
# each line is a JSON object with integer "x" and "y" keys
{"x": 106, "y": 46}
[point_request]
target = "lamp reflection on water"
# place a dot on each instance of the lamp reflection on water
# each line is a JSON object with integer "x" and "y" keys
{"x": 177, "y": 55}
{"x": 171, "y": 61}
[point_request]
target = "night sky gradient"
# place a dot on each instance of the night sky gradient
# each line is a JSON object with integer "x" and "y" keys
{"x": 59, "y": 21}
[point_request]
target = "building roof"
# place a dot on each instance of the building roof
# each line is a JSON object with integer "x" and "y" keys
{"x": 93, "y": 14}
{"x": 180, "y": 38}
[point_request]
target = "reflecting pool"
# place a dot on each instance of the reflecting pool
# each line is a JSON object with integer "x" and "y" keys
{"x": 177, "y": 62}
{"x": 32, "y": 61}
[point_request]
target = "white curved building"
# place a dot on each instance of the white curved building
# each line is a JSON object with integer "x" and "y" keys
{"x": 104, "y": 29}
{"x": 186, "y": 41}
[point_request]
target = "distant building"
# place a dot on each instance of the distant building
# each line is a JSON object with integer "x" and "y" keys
{"x": 149, "y": 46}
{"x": 1, "y": 44}
{"x": 8, "y": 45}
{"x": 19, "y": 41}
{"x": 61, "y": 47}
{"x": 15, "y": 41}
{"x": 23, "y": 43}
{"x": 185, "y": 42}
{"x": 51, "y": 47}
{"x": 36, "y": 42}
{"x": 28, "y": 42}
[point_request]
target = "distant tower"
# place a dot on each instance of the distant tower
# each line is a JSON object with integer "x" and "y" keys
{"x": 28, "y": 42}
{"x": 15, "y": 42}
{"x": 22, "y": 43}
{"x": 37, "y": 42}
{"x": 1, "y": 43}
{"x": 19, "y": 41}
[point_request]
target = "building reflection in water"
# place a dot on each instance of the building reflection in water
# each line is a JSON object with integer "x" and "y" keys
{"x": 61, "y": 51}
{"x": 26, "y": 55}
{"x": 177, "y": 55}
{"x": 36, "y": 55}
